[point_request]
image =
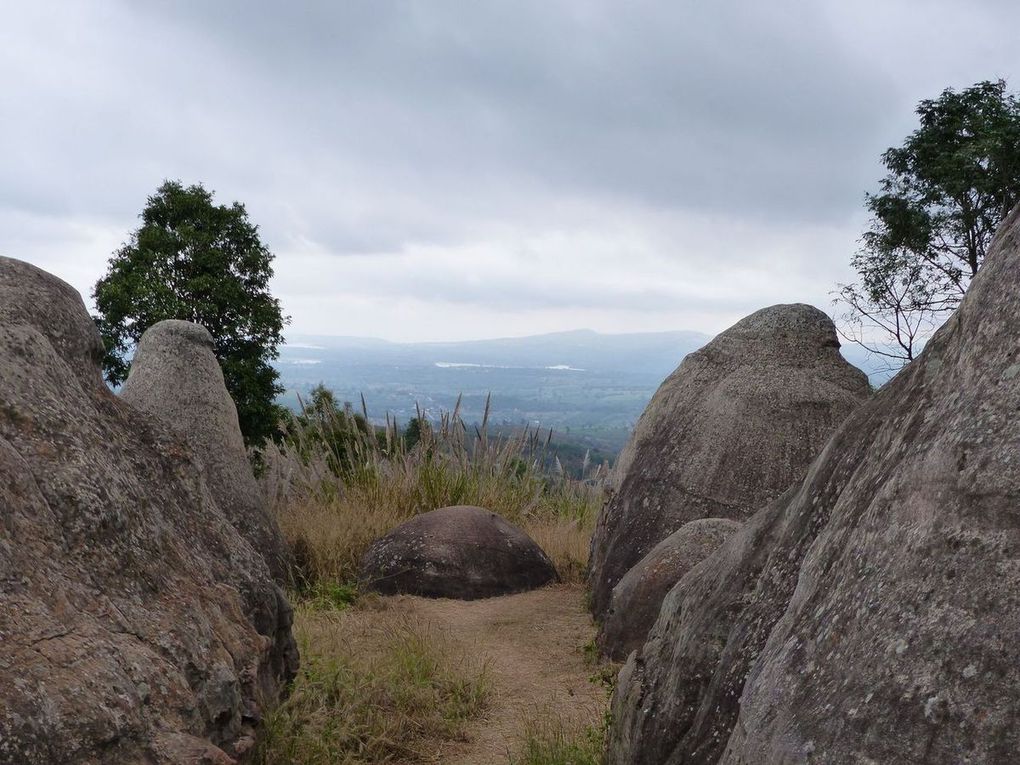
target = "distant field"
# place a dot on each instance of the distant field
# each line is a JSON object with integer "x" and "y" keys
{"x": 590, "y": 388}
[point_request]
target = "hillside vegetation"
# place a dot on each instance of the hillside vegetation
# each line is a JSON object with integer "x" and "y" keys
{"x": 379, "y": 682}
{"x": 338, "y": 484}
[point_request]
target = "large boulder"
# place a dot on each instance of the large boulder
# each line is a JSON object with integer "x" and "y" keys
{"x": 458, "y": 552}
{"x": 136, "y": 624}
{"x": 176, "y": 378}
{"x": 637, "y": 597}
{"x": 872, "y": 613}
{"x": 736, "y": 424}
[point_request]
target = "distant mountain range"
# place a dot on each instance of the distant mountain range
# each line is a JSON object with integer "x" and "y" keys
{"x": 589, "y": 385}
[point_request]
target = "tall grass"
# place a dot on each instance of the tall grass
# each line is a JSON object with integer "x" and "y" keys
{"x": 339, "y": 485}
{"x": 552, "y": 742}
{"x": 376, "y": 686}
{"x": 373, "y": 687}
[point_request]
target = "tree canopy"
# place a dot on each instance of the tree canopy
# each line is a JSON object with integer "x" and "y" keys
{"x": 950, "y": 184}
{"x": 196, "y": 260}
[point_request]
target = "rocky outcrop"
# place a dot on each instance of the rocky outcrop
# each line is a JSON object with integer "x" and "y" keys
{"x": 175, "y": 377}
{"x": 871, "y": 614}
{"x": 136, "y": 624}
{"x": 728, "y": 431}
{"x": 456, "y": 552}
{"x": 637, "y": 597}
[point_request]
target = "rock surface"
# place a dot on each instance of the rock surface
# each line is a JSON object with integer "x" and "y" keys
{"x": 736, "y": 424}
{"x": 637, "y": 597}
{"x": 175, "y": 377}
{"x": 136, "y": 624}
{"x": 871, "y": 614}
{"x": 458, "y": 552}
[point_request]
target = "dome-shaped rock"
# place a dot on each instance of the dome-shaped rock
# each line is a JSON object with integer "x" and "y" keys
{"x": 458, "y": 552}
{"x": 637, "y": 597}
{"x": 736, "y": 424}
{"x": 871, "y": 613}
{"x": 136, "y": 624}
{"x": 176, "y": 378}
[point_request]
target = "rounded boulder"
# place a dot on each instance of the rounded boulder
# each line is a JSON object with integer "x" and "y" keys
{"x": 459, "y": 552}
{"x": 136, "y": 623}
{"x": 736, "y": 423}
{"x": 637, "y": 598}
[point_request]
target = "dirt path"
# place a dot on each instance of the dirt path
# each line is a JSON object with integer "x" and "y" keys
{"x": 532, "y": 643}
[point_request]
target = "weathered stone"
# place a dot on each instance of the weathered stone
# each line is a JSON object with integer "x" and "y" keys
{"x": 637, "y": 597}
{"x": 736, "y": 424}
{"x": 870, "y": 614}
{"x": 136, "y": 624}
{"x": 458, "y": 552}
{"x": 176, "y": 378}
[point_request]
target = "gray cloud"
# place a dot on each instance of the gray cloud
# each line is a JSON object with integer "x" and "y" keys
{"x": 412, "y": 137}
{"x": 750, "y": 104}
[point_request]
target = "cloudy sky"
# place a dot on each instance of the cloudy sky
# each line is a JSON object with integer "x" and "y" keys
{"x": 464, "y": 169}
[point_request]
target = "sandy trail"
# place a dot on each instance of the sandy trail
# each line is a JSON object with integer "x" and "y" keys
{"x": 532, "y": 645}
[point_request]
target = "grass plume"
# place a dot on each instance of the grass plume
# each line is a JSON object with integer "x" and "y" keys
{"x": 340, "y": 484}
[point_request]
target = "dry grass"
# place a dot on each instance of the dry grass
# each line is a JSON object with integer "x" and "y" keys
{"x": 329, "y": 534}
{"x": 566, "y": 541}
{"x": 374, "y": 687}
{"x": 330, "y": 516}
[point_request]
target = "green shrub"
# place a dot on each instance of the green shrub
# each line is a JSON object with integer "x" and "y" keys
{"x": 326, "y": 596}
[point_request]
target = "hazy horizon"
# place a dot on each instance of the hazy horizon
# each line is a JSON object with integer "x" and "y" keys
{"x": 592, "y": 384}
{"x": 575, "y": 330}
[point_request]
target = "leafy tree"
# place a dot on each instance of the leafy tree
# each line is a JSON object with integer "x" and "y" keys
{"x": 321, "y": 409}
{"x": 344, "y": 437}
{"x": 948, "y": 187}
{"x": 192, "y": 259}
{"x": 417, "y": 428}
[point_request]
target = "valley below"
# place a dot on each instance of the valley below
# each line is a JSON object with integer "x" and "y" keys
{"x": 589, "y": 388}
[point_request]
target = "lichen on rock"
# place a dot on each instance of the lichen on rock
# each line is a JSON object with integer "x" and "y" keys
{"x": 728, "y": 431}
{"x": 871, "y": 613}
{"x": 137, "y": 624}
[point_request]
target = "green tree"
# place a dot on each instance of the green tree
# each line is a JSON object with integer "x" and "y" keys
{"x": 947, "y": 188}
{"x": 344, "y": 437}
{"x": 196, "y": 260}
{"x": 417, "y": 429}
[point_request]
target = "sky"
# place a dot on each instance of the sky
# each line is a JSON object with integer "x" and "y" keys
{"x": 446, "y": 170}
